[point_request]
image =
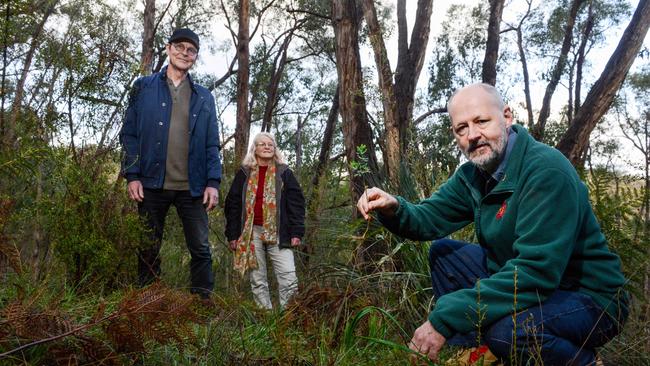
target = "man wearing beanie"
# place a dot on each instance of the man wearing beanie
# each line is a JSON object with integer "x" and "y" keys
{"x": 171, "y": 148}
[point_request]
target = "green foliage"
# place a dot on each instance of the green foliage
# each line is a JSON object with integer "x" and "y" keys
{"x": 640, "y": 81}
{"x": 553, "y": 132}
{"x": 436, "y": 154}
{"x": 545, "y": 31}
{"x": 78, "y": 234}
{"x": 360, "y": 165}
{"x": 443, "y": 80}
{"x": 90, "y": 226}
{"x": 458, "y": 52}
{"x": 617, "y": 204}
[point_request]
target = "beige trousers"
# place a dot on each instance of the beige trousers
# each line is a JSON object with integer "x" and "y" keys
{"x": 283, "y": 267}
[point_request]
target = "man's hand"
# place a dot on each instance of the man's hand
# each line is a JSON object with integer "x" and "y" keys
{"x": 210, "y": 198}
{"x": 135, "y": 190}
{"x": 427, "y": 341}
{"x": 295, "y": 242}
{"x": 376, "y": 199}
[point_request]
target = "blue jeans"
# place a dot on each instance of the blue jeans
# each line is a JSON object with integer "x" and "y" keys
{"x": 153, "y": 209}
{"x": 563, "y": 330}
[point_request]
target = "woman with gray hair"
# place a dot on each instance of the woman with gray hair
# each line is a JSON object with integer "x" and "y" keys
{"x": 265, "y": 214}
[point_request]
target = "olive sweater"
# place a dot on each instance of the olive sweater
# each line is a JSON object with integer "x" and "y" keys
{"x": 537, "y": 226}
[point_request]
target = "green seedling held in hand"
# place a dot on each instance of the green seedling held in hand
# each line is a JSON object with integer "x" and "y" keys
{"x": 359, "y": 168}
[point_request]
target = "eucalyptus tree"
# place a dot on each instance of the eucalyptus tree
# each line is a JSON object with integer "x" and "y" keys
{"x": 318, "y": 38}
{"x": 73, "y": 70}
{"x": 242, "y": 129}
{"x": 518, "y": 28}
{"x": 489, "y": 72}
{"x": 456, "y": 61}
{"x": 275, "y": 44}
{"x": 398, "y": 95}
{"x": 77, "y": 75}
{"x": 599, "y": 98}
{"x": 575, "y": 33}
{"x": 537, "y": 131}
{"x": 23, "y": 31}
{"x": 458, "y": 52}
{"x": 346, "y": 17}
{"x": 172, "y": 14}
{"x": 149, "y": 25}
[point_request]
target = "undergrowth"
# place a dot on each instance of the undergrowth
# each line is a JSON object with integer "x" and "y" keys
{"x": 58, "y": 308}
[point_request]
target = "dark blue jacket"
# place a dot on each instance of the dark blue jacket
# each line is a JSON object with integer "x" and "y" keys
{"x": 145, "y": 133}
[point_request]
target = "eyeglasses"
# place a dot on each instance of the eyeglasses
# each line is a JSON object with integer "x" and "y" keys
{"x": 179, "y": 47}
{"x": 264, "y": 144}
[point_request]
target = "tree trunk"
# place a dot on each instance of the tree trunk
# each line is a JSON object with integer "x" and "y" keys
{"x": 326, "y": 145}
{"x": 314, "y": 201}
{"x": 409, "y": 65}
{"x": 300, "y": 122}
{"x": 242, "y": 129}
{"x": 352, "y": 101}
{"x": 586, "y": 33}
{"x": 489, "y": 73}
{"x": 274, "y": 83}
{"x": 392, "y": 156}
{"x": 644, "y": 147}
{"x": 10, "y": 128}
{"x": 398, "y": 96}
{"x": 602, "y": 93}
{"x": 146, "y": 58}
{"x": 558, "y": 69}
{"x": 569, "y": 112}
{"x": 3, "y": 88}
{"x": 524, "y": 66}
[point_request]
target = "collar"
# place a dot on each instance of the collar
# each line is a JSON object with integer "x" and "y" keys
{"x": 163, "y": 76}
{"x": 510, "y": 143}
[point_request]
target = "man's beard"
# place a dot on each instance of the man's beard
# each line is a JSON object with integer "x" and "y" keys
{"x": 488, "y": 162}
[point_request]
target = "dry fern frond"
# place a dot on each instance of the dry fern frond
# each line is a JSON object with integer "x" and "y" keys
{"x": 96, "y": 351}
{"x": 61, "y": 355}
{"x": 28, "y": 322}
{"x": 317, "y": 305}
{"x": 155, "y": 313}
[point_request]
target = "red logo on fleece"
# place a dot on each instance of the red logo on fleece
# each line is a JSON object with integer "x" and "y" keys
{"x": 502, "y": 210}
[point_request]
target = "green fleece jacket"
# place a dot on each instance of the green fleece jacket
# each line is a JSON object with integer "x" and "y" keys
{"x": 537, "y": 226}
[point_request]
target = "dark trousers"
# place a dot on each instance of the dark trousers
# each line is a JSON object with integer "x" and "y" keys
{"x": 563, "y": 330}
{"x": 153, "y": 209}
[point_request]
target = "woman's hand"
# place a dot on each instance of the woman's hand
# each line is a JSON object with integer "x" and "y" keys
{"x": 295, "y": 242}
{"x": 232, "y": 245}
